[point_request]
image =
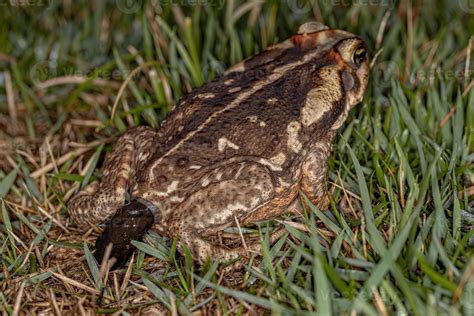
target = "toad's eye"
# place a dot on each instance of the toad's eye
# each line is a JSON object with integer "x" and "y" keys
{"x": 360, "y": 55}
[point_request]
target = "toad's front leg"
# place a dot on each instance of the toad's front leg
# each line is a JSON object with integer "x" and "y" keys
{"x": 314, "y": 172}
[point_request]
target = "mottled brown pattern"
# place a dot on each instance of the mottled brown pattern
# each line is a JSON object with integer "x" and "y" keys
{"x": 240, "y": 147}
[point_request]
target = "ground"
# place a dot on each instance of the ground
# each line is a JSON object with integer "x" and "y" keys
{"x": 398, "y": 236}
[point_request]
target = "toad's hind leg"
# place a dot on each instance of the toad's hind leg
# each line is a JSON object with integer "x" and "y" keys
{"x": 98, "y": 202}
{"x": 236, "y": 191}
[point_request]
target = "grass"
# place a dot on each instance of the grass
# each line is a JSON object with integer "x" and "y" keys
{"x": 398, "y": 237}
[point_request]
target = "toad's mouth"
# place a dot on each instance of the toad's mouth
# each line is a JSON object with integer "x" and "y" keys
{"x": 130, "y": 222}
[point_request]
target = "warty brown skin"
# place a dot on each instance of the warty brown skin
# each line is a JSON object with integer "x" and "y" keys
{"x": 238, "y": 148}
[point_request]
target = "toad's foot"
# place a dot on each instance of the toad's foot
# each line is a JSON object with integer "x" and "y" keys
{"x": 131, "y": 222}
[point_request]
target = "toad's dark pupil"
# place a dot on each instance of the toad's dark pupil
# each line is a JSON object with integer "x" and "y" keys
{"x": 359, "y": 56}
